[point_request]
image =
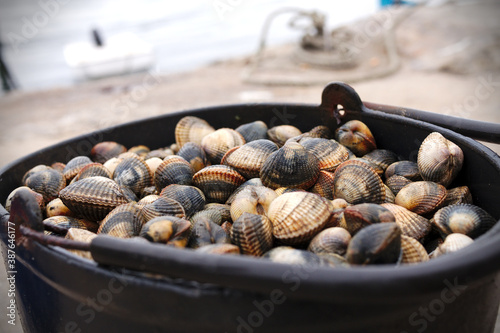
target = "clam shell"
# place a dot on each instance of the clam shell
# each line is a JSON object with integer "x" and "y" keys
{"x": 252, "y": 233}
{"x": 133, "y": 173}
{"x": 290, "y": 166}
{"x": 458, "y": 195}
{"x": 92, "y": 198}
{"x": 168, "y": 230}
{"x": 67, "y": 222}
{"x": 249, "y": 158}
{"x": 92, "y": 170}
{"x": 297, "y": 217}
{"x": 217, "y": 144}
{"x": 219, "y": 249}
{"x": 159, "y": 153}
{"x": 389, "y": 196}
{"x": 173, "y": 170}
{"x": 289, "y": 255}
{"x": 57, "y": 208}
{"x": 382, "y": 158}
{"x": 320, "y": 131}
{"x": 217, "y": 182}
{"x": 217, "y": 213}
{"x": 330, "y": 153}
{"x": 81, "y": 235}
{"x": 405, "y": 169}
{"x": 421, "y": 197}
{"x": 452, "y": 243}
{"x": 396, "y": 183}
{"x": 252, "y": 181}
{"x": 253, "y": 131}
{"x": 125, "y": 221}
{"x": 439, "y": 160}
{"x": 413, "y": 251}
{"x": 356, "y": 182}
{"x": 191, "y": 129}
{"x": 411, "y": 224}
{"x": 58, "y": 166}
{"x": 372, "y": 165}
{"x": 140, "y": 150}
{"x": 147, "y": 200}
{"x": 283, "y": 190}
{"x": 194, "y": 155}
{"x": 280, "y": 134}
{"x": 153, "y": 163}
{"x": 47, "y": 182}
{"x": 331, "y": 240}
{"x": 324, "y": 185}
{"x": 191, "y": 198}
{"x": 466, "y": 219}
{"x": 106, "y": 150}
{"x": 161, "y": 207}
{"x": 32, "y": 171}
{"x": 376, "y": 244}
{"x": 357, "y": 137}
{"x": 205, "y": 232}
{"x": 74, "y": 166}
{"x": 252, "y": 199}
{"x": 227, "y": 226}
{"x": 38, "y": 197}
{"x": 359, "y": 216}
{"x": 111, "y": 164}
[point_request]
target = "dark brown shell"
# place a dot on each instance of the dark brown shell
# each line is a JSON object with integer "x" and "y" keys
{"x": 191, "y": 129}
{"x": 359, "y": 216}
{"x": 330, "y": 153}
{"x": 194, "y": 155}
{"x": 216, "y": 212}
{"x": 458, "y": 195}
{"x": 324, "y": 185}
{"x": 376, "y": 244}
{"x": 218, "y": 143}
{"x": 252, "y": 181}
{"x": 67, "y": 222}
{"x": 253, "y": 131}
{"x": 291, "y": 166}
{"x": 217, "y": 182}
{"x": 133, "y": 173}
{"x": 191, "y": 198}
{"x": 330, "y": 240}
{"x": 382, "y": 157}
{"x": 421, "y": 197}
{"x": 411, "y": 224}
{"x": 466, "y": 219}
{"x": 357, "y": 137}
{"x": 38, "y": 197}
{"x": 140, "y": 150}
{"x": 92, "y": 198}
{"x": 163, "y": 206}
{"x": 147, "y": 199}
{"x": 173, "y": 170}
{"x": 396, "y": 183}
{"x": 32, "y": 171}
{"x": 74, "y": 166}
{"x": 249, "y": 158}
{"x": 452, "y": 243}
{"x": 405, "y": 169}
{"x": 105, "y": 150}
{"x": 320, "y": 131}
{"x": 168, "y": 230}
{"x": 48, "y": 182}
{"x": 252, "y": 233}
{"x": 356, "y": 182}
{"x": 92, "y": 170}
{"x": 205, "y": 232}
{"x": 125, "y": 221}
{"x": 281, "y": 133}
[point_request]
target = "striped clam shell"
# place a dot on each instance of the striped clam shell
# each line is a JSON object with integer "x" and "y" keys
{"x": 252, "y": 199}
{"x": 218, "y": 143}
{"x": 191, "y": 198}
{"x": 324, "y": 185}
{"x": 249, "y": 158}
{"x": 413, "y": 251}
{"x": 396, "y": 183}
{"x": 92, "y": 170}
{"x": 289, "y": 255}
{"x": 163, "y": 206}
{"x": 173, "y": 170}
{"x": 357, "y": 217}
{"x": 252, "y": 233}
{"x": 217, "y": 182}
{"x": 330, "y": 240}
{"x": 191, "y": 129}
{"x": 389, "y": 196}
{"x": 92, "y": 198}
{"x": 105, "y": 150}
{"x": 31, "y": 171}
{"x": 452, "y": 243}
{"x": 422, "y": 197}
{"x": 133, "y": 173}
{"x": 216, "y": 212}
{"x": 320, "y": 131}
{"x": 74, "y": 166}
{"x": 356, "y": 182}
{"x": 205, "y": 232}
{"x": 290, "y": 166}
{"x": 253, "y": 131}
{"x": 140, "y": 150}
{"x": 382, "y": 158}
{"x": 48, "y": 182}
{"x": 125, "y": 221}
{"x": 67, "y": 222}
{"x": 281, "y": 133}
{"x": 298, "y": 216}
{"x": 439, "y": 160}
{"x": 405, "y": 169}
{"x": 466, "y": 219}
{"x": 194, "y": 154}
{"x": 329, "y": 152}
{"x": 458, "y": 195}
{"x": 411, "y": 224}
{"x": 168, "y": 230}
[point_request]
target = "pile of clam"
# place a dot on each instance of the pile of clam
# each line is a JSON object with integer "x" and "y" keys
{"x": 318, "y": 197}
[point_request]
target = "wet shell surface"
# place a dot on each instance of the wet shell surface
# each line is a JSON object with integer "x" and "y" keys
{"x": 396, "y": 183}
{"x": 458, "y": 195}
{"x": 92, "y": 170}
{"x": 194, "y": 155}
{"x": 125, "y": 221}
{"x": 74, "y": 166}
{"x": 217, "y": 213}
{"x": 168, "y": 230}
{"x": 411, "y": 224}
{"x": 191, "y": 129}
{"x": 452, "y": 243}
{"x": 191, "y": 198}
{"x": 249, "y": 158}
{"x": 205, "y": 232}
{"x": 291, "y": 166}
{"x": 252, "y": 233}
{"x": 163, "y": 206}
{"x": 298, "y": 216}
{"x": 330, "y": 153}
{"x": 217, "y": 182}
{"x": 253, "y": 131}
{"x": 67, "y": 222}
{"x": 466, "y": 219}
{"x": 47, "y": 182}
{"x": 147, "y": 199}
{"x": 252, "y": 199}
{"x": 439, "y": 160}
{"x": 281, "y": 133}
{"x": 405, "y": 169}
{"x": 57, "y": 208}
{"x": 331, "y": 240}
{"x": 359, "y": 216}
{"x": 357, "y": 137}
{"x": 356, "y": 182}
{"x": 38, "y": 197}
{"x": 324, "y": 185}
{"x": 422, "y": 197}
{"x": 92, "y": 198}
{"x": 32, "y": 171}
{"x": 106, "y": 150}
{"x": 382, "y": 158}
{"x": 133, "y": 173}
{"x": 413, "y": 251}
{"x": 173, "y": 170}
{"x": 376, "y": 244}
{"x": 252, "y": 181}
{"x": 217, "y": 144}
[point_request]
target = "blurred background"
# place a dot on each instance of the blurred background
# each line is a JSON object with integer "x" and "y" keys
{"x": 71, "y": 67}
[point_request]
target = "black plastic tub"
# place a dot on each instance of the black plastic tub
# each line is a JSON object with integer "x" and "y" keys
{"x": 184, "y": 291}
